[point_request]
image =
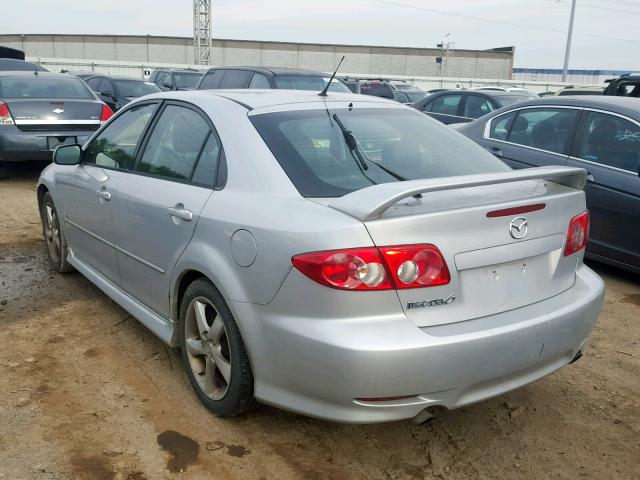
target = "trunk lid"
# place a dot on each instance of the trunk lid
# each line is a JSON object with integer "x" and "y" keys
{"x": 491, "y": 271}
{"x": 55, "y": 115}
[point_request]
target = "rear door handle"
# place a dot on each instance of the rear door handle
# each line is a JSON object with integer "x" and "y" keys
{"x": 496, "y": 151}
{"x": 590, "y": 177}
{"x": 103, "y": 194}
{"x": 180, "y": 212}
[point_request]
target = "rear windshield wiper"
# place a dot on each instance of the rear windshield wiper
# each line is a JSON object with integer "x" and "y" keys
{"x": 352, "y": 143}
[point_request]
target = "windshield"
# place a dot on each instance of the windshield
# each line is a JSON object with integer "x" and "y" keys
{"x": 314, "y": 150}
{"x": 135, "y": 88}
{"x": 307, "y": 82}
{"x": 415, "y": 96}
{"x": 36, "y": 86}
{"x": 186, "y": 80}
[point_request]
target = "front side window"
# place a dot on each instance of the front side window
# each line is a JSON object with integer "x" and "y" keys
{"x": 115, "y": 146}
{"x": 236, "y": 79}
{"x": 446, "y": 105}
{"x": 544, "y": 128}
{"x": 41, "y": 86}
{"x": 612, "y": 141}
{"x": 395, "y": 143}
{"x": 175, "y": 144}
{"x": 476, "y": 107}
{"x": 105, "y": 87}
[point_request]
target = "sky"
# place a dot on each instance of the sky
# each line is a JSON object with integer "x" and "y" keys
{"x": 606, "y": 33}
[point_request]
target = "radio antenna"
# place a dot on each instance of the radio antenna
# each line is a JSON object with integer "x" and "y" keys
{"x": 323, "y": 93}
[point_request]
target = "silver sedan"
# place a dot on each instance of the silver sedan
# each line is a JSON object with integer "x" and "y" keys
{"x": 340, "y": 256}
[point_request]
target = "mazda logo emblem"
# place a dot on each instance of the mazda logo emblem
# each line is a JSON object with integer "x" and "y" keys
{"x": 518, "y": 228}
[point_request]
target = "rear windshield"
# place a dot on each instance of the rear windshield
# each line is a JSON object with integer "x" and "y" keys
{"x": 186, "y": 80}
{"x": 38, "y": 86}
{"x": 135, "y": 88}
{"x": 306, "y": 82}
{"x": 311, "y": 148}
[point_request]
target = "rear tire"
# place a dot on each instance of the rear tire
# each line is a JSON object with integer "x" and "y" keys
{"x": 57, "y": 247}
{"x": 213, "y": 353}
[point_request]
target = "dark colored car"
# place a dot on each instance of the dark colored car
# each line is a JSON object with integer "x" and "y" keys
{"x": 8, "y": 52}
{"x": 268, "y": 77}
{"x": 40, "y": 111}
{"x": 118, "y": 91}
{"x": 174, "y": 79}
{"x": 624, "y": 86}
{"x": 376, "y": 88}
{"x": 599, "y": 134}
{"x": 460, "y": 106}
{"x": 14, "y": 65}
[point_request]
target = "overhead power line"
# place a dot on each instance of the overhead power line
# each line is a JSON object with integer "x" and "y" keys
{"x": 597, "y": 7}
{"x": 500, "y": 22}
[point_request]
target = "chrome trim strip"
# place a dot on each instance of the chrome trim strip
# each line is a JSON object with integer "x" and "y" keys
{"x": 115, "y": 247}
{"x": 603, "y": 165}
{"x": 57, "y": 122}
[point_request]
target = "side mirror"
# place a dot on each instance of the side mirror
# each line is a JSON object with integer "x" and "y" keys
{"x": 67, "y": 155}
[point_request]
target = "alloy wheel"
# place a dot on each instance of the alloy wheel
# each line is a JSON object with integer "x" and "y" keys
{"x": 52, "y": 232}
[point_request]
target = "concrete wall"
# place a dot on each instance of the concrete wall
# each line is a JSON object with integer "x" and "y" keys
{"x": 364, "y": 60}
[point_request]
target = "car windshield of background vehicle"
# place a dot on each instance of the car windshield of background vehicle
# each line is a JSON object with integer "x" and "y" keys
{"x": 313, "y": 151}
{"x": 38, "y": 86}
{"x": 306, "y": 82}
{"x": 186, "y": 80}
{"x": 136, "y": 88}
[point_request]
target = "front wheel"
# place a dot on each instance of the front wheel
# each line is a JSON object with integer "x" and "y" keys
{"x": 57, "y": 247}
{"x": 213, "y": 352}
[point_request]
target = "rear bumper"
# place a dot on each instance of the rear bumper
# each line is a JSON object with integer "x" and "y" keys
{"x": 318, "y": 366}
{"x": 21, "y": 146}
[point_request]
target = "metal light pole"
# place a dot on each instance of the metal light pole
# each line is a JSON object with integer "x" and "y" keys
{"x": 202, "y": 32}
{"x": 567, "y": 51}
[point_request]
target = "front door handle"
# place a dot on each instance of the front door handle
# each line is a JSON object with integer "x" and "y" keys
{"x": 180, "y": 212}
{"x": 590, "y": 177}
{"x": 103, "y": 194}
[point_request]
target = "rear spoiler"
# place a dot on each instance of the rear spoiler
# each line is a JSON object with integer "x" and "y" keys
{"x": 371, "y": 202}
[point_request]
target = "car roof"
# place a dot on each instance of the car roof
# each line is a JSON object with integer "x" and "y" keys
{"x": 118, "y": 77}
{"x": 624, "y": 105}
{"x": 30, "y": 73}
{"x": 275, "y": 71}
{"x": 180, "y": 70}
{"x": 13, "y": 64}
{"x": 270, "y": 98}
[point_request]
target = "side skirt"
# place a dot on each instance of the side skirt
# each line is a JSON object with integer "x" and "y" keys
{"x": 164, "y": 329}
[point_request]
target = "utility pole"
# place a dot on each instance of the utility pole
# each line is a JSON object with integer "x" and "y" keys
{"x": 567, "y": 51}
{"x": 202, "y": 32}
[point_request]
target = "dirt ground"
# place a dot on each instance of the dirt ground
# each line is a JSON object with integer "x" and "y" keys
{"x": 87, "y": 392}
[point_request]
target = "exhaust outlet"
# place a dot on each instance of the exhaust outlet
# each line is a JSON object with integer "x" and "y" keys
{"x": 422, "y": 417}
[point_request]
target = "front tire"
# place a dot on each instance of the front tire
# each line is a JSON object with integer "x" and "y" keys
{"x": 57, "y": 246}
{"x": 213, "y": 353}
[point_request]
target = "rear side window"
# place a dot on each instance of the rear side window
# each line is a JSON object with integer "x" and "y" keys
{"x": 236, "y": 79}
{"x": 544, "y": 128}
{"x": 311, "y": 148}
{"x": 175, "y": 144}
{"x": 446, "y": 105}
{"x": 211, "y": 80}
{"x": 115, "y": 146}
{"x": 40, "y": 86}
{"x": 612, "y": 141}
{"x": 476, "y": 107}
{"x": 501, "y": 126}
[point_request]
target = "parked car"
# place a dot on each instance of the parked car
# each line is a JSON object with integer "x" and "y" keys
{"x": 117, "y": 91}
{"x": 627, "y": 85}
{"x": 459, "y": 106}
{"x": 324, "y": 264}
{"x": 502, "y": 88}
{"x": 599, "y": 134}
{"x": 8, "y": 52}
{"x": 14, "y": 65}
{"x": 176, "y": 79}
{"x": 41, "y": 110}
{"x": 408, "y": 97}
{"x": 584, "y": 90}
{"x": 373, "y": 87}
{"x": 268, "y": 77}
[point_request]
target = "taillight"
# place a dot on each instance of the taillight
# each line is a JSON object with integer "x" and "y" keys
{"x": 5, "y": 115}
{"x": 577, "y": 234}
{"x": 106, "y": 113}
{"x": 351, "y": 269}
{"x": 415, "y": 266}
{"x": 370, "y": 268}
